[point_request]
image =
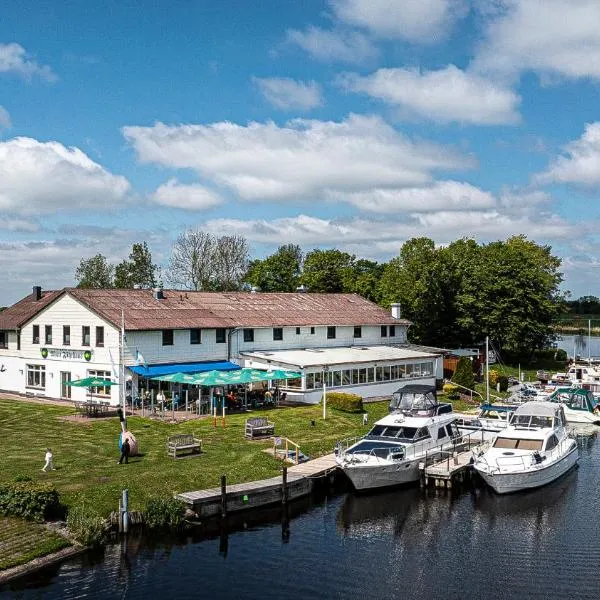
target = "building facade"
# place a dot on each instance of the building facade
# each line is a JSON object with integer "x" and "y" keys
{"x": 50, "y": 338}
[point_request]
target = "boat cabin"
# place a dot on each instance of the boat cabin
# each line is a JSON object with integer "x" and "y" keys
{"x": 575, "y": 399}
{"x": 417, "y": 401}
{"x": 538, "y": 415}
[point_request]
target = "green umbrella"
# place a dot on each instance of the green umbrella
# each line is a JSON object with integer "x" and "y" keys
{"x": 178, "y": 377}
{"x": 91, "y": 382}
{"x": 282, "y": 374}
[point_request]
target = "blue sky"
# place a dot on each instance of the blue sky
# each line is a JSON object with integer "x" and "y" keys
{"x": 330, "y": 123}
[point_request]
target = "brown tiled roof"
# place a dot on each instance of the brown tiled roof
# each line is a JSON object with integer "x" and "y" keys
{"x": 182, "y": 310}
{"x": 16, "y": 315}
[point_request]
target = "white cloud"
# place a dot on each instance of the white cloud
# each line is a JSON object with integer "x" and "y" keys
{"x": 20, "y": 225}
{"x": 5, "y": 122}
{"x": 421, "y": 21}
{"x": 379, "y": 238}
{"x": 14, "y": 59}
{"x": 189, "y": 197}
{"x": 43, "y": 177}
{"x": 580, "y": 165}
{"x": 555, "y": 37}
{"x": 302, "y": 159}
{"x": 334, "y": 45}
{"x": 442, "y": 195}
{"x": 442, "y": 96}
{"x": 286, "y": 93}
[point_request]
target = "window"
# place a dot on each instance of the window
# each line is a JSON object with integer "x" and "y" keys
{"x": 66, "y": 335}
{"x": 100, "y": 390}
{"x": 392, "y": 331}
{"x": 48, "y": 331}
{"x": 36, "y": 376}
{"x": 357, "y": 331}
{"x": 277, "y": 334}
{"x": 85, "y": 335}
{"x": 552, "y": 442}
{"x": 167, "y": 337}
{"x": 99, "y": 337}
{"x": 312, "y": 331}
{"x": 36, "y": 334}
{"x": 195, "y": 336}
{"x": 384, "y": 331}
{"x": 220, "y": 336}
{"x": 331, "y": 333}
{"x": 248, "y": 335}
{"x": 4, "y": 339}
{"x": 297, "y": 330}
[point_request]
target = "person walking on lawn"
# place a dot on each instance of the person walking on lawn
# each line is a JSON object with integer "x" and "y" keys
{"x": 49, "y": 461}
{"x": 125, "y": 449}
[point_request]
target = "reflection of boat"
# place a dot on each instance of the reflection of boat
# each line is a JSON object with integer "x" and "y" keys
{"x": 390, "y": 453}
{"x": 491, "y": 419}
{"x": 533, "y": 451}
{"x": 580, "y": 406}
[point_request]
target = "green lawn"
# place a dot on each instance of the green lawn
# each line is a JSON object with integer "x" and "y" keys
{"x": 86, "y": 452}
{"x": 22, "y": 541}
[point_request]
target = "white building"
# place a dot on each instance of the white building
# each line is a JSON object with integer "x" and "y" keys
{"x": 52, "y": 337}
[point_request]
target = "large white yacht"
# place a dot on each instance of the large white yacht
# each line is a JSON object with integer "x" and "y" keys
{"x": 532, "y": 451}
{"x": 391, "y": 452}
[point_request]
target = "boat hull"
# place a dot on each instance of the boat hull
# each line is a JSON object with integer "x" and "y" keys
{"x": 509, "y": 482}
{"x": 581, "y": 416}
{"x": 366, "y": 477}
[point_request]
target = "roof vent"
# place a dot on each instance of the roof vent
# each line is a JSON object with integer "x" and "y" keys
{"x": 302, "y": 289}
{"x": 158, "y": 293}
{"x": 137, "y": 286}
{"x": 37, "y": 292}
{"x": 253, "y": 289}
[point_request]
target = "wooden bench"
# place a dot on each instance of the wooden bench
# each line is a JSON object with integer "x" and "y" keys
{"x": 258, "y": 427}
{"x": 183, "y": 444}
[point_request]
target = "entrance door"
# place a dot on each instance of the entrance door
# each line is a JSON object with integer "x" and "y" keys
{"x": 65, "y": 390}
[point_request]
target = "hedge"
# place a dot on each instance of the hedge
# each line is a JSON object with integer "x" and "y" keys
{"x": 352, "y": 403}
{"x": 29, "y": 500}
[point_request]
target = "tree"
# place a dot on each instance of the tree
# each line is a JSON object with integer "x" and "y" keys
{"x": 327, "y": 270}
{"x": 138, "y": 270}
{"x": 95, "y": 272}
{"x": 279, "y": 272}
{"x": 363, "y": 278}
{"x": 463, "y": 376}
{"x": 201, "y": 261}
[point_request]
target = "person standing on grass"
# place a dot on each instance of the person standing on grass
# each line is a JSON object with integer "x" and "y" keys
{"x": 49, "y": 461}
{"x": 125, "y": 449}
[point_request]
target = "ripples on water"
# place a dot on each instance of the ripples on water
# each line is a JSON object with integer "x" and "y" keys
{"x": 397, "y": 544}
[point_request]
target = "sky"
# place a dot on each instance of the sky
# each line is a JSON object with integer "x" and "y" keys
{"x": 354, "y": 124}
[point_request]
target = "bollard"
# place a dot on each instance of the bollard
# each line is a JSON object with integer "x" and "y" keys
{"x": 223, "y": 496}
{"x": 125, "y": 506}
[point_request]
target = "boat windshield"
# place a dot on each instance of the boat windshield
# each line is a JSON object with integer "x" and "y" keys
{"x": 531, "y": 421}
{"x": 376, "y": 448}
{"x": 407, "y": 434}
{"x": 518, "y": 444}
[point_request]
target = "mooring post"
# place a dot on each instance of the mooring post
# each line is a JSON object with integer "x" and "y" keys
{"x": 223, "y": 496}
{"x": 125, "y": 508}
{"x": 284, "y": 487}
{"x": 120, "y": 515}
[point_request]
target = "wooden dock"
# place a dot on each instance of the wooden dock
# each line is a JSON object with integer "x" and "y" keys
{"x": 454, "y": 468}
{"x": 243, "y": 496}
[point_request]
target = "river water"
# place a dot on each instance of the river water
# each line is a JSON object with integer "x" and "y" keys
{"x": 397, "y": 544}
{"x": 581, "y": 345}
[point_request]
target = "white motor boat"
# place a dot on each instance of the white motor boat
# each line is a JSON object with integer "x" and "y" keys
{"x": 532, "y": 451}
{"x": 490, "y": 419}
{"x": 580, "y": 405}
{"x": 391, "y": 452}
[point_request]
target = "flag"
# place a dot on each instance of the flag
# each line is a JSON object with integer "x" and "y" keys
{"x": 139, "y": 359}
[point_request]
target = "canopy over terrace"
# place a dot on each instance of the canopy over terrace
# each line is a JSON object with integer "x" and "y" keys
{"x": 218, "y": 378}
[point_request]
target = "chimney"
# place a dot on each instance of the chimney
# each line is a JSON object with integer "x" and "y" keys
{"x": 396, "y": 312}
{"x": 253, "y": 289}
{"x": 37, "y": 292}
{"x": 158, "y": 294}
{"x": 138, "y": 286}
{"x": 302, "y": 289}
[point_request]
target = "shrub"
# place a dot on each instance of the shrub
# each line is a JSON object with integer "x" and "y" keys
{"x": 451, "y": 391}
{"x": 494, "y": 375}
{"x": 351, "y": 403}
{"x": 163, "y": 513}
{"x": 86, "y": 526}
{"x": 28, "y": 500}
{"x": 561, "y": 355}
{"x": 503, "y": 381}
{"x": 463, "y": 376}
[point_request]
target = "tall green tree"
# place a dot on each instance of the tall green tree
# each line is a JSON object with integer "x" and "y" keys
{"x": 463, "y": 376}
{"x": 95, "y": 272}
{"x": 279, "y": 272}
{"x": 138, "y": 270}
{"x": 363, "y": 278}
{"x": 327, "y": 270}
{"x": 512, "y": 295}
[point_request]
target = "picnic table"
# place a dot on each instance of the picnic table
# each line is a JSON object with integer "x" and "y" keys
{"x": 92, "y": 409}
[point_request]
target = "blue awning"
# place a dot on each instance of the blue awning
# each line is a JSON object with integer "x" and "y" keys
{"x": 199, "y": 367}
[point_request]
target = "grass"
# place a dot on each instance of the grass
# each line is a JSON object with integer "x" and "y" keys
{"x": 86, "y": 452}
{"x": 22, "y": 541}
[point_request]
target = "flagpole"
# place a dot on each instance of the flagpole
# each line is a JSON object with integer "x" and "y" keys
{"x": 122, "y": 361}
